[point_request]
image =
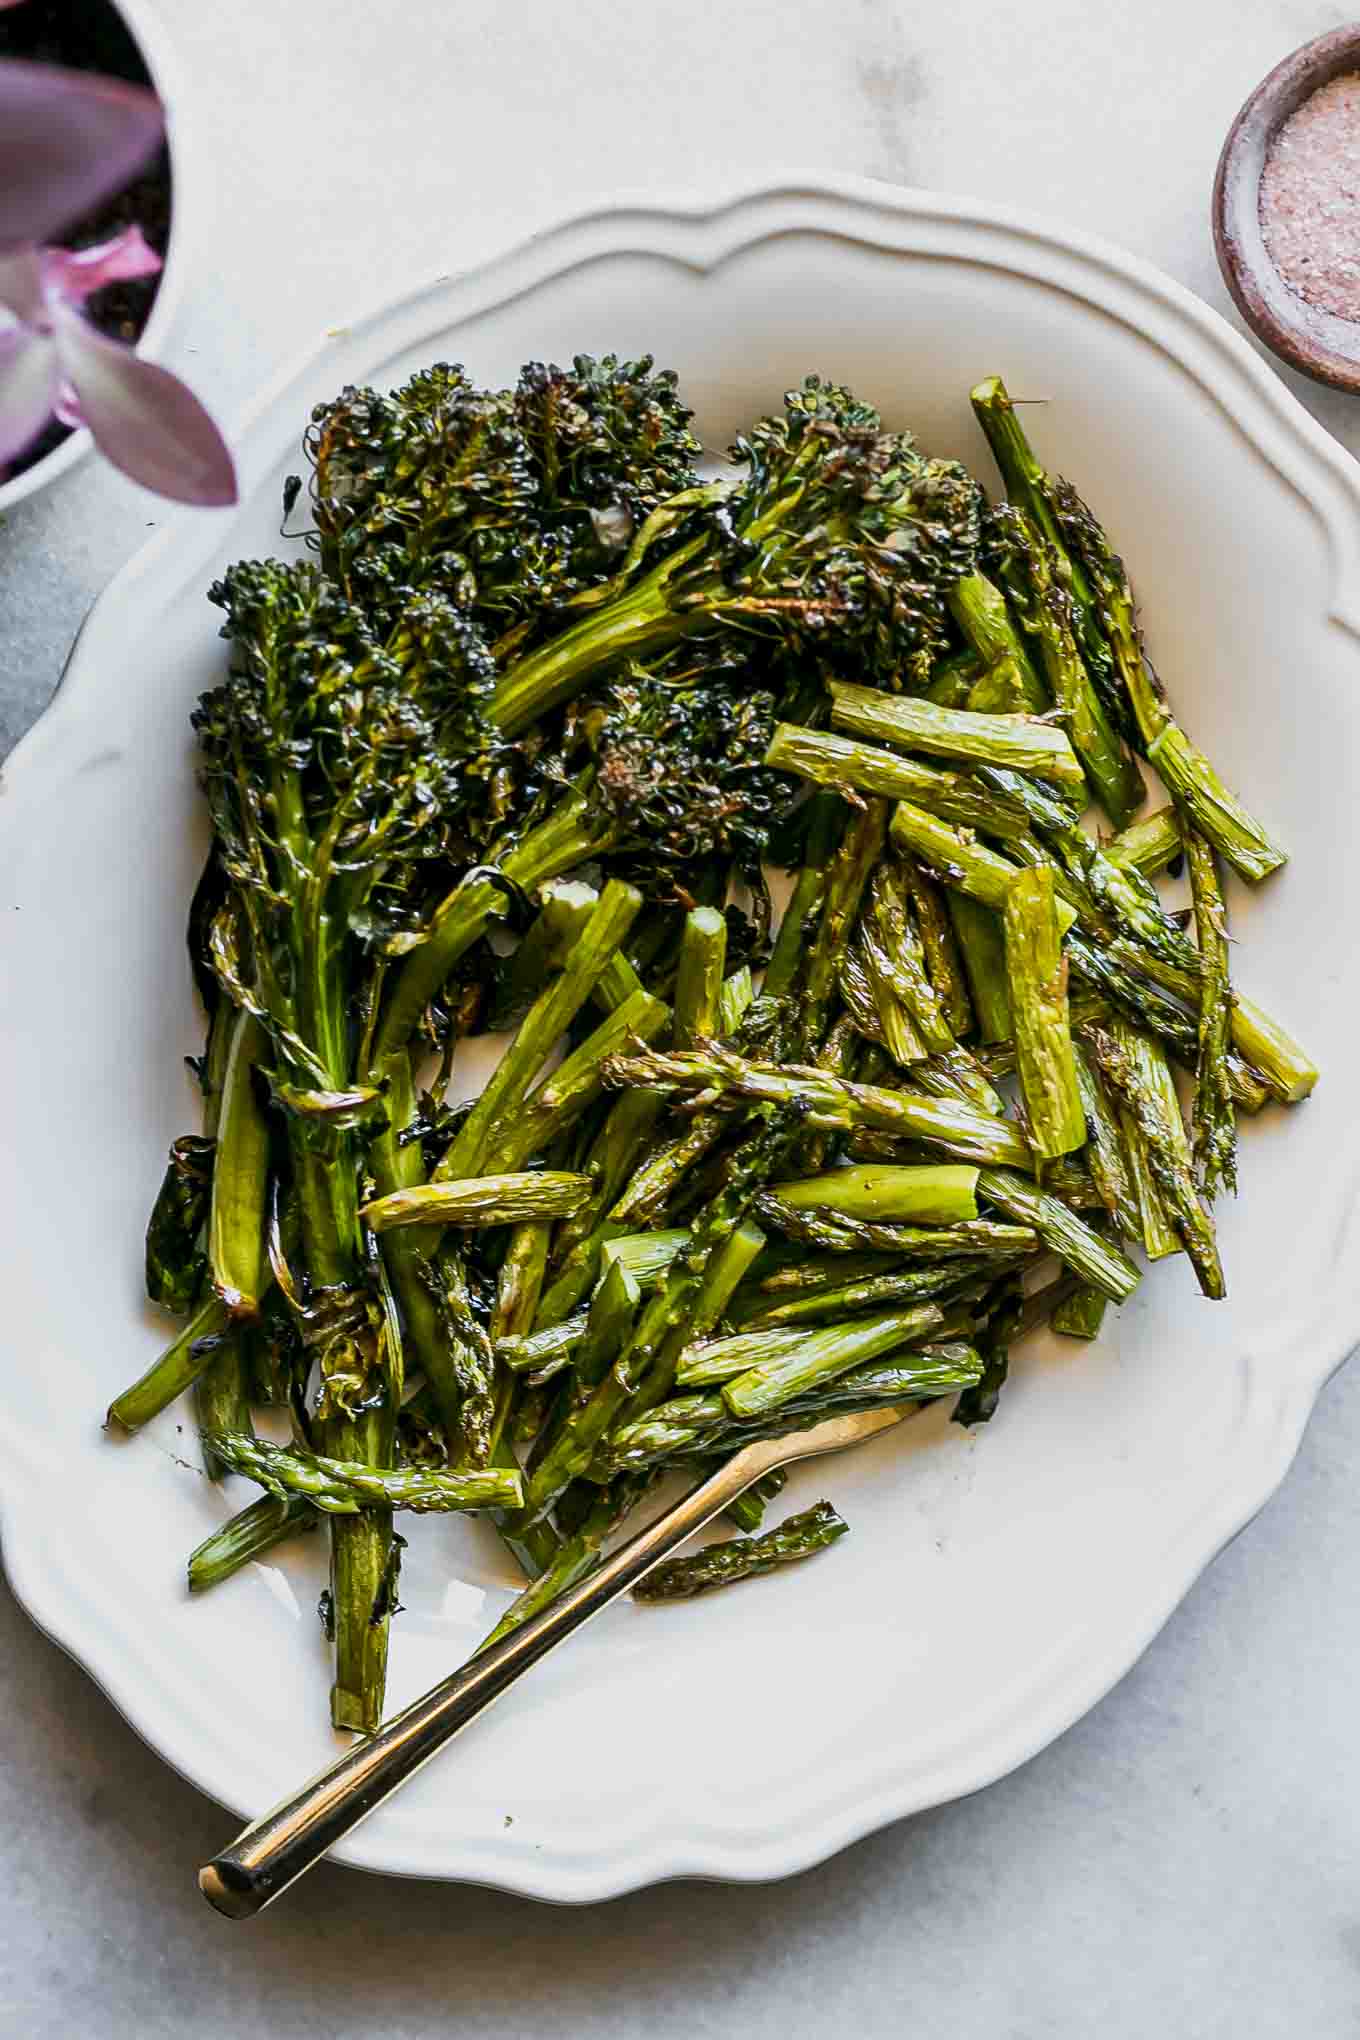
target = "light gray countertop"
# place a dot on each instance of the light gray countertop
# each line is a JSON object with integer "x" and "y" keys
{"x": 1185, "y": 1861}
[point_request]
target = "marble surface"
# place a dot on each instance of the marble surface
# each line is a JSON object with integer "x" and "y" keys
{"x": 1184, "y": 1861}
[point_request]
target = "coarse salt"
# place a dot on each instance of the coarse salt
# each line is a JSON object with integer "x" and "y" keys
{"x": 1310, "y": 199}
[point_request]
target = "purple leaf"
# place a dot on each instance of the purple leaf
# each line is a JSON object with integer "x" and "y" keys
{"x": 143, "y": 418}
{"x": 77, "y": 274}
{"x": 29, "y": 376}
{"x": 21, "y": 286}
{"x": 66, "y": 140}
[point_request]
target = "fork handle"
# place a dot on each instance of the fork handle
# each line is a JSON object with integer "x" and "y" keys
{"x": 277, "y": 1848}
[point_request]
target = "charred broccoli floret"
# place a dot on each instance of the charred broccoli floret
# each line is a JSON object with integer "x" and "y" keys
{"x": 838, "y": 534}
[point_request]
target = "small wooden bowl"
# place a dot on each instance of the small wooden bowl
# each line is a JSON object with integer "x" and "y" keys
{"x": 1317, "y": 343}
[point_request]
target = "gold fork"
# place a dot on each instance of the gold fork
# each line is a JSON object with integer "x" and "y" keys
{"x": 281, "y": 1845}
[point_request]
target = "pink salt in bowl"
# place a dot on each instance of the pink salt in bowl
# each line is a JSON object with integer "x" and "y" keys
{"x": 1286, "y": 216}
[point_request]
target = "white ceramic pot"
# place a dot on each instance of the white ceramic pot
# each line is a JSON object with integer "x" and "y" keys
{"x": 152, "y": 39}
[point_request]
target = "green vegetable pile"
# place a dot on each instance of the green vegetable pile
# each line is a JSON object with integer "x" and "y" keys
{"x": 512, "y": 746}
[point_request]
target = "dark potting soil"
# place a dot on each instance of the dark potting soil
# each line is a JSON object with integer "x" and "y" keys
{"x": 90, "y": 35}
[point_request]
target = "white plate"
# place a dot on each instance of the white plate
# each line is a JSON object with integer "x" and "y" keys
{"x": 995, "y": 1585}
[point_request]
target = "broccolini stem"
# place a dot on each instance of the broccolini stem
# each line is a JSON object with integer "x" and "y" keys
{"x": 481, "y": 1200}
{"x": 828, "y": 760}
{"x": 530, "y": 1352}
{"x": 221, "y": 1402}
{"x": 941, "y": 1193}
{"x": 547, "y": 1019}
{"x": 565, "y": 911}
{"x": 1191, "y": 780}
{"x": 1106, "y": 1155}
{"x": 829, "y": 1102}
{"x": 577, "y": 1556}
{"x": 340, "y": 1487}
{"x": 959, "y": 860}
{"x": 618, "y": 981}
{"x": 1027, "y": 486}
{"x": 872, "y": 1292}
{"x": 397, "y": 1165}
{"x": 518, "y": 1288}
{"x": 1095, "y": 883}
{"x": 219, "y": 1390}
{"x": 1152, "y": 845}
{"x": 821, "y": 1356}
{"x": 170, "y": 1373}
{"x": 365, "y": 1555}
{"x": 943, "y": 962}
{"x": 1009, "y": 683}
{"x": 654, "y": 1181}
{"x": 613, "y": 1313}
{"x": 838, "y": 1234}
{"x": 895, "y": 960}
{"x": 1006, "y": 1324}
{"x": 247, "y": 1535}
{"x": 1066, "y": 1235}
{"x": 743, "y": 1558}
{"x": 978, "y": 929}
{"x": 748, "y": 1510}
{"x": 666, "y": 1325}
{"x": 240, "y": 1172}
{"x": 571, "y": 835}
{"x": 699, "y": 1425}
{"x": 828, "y": 815}
{"x": 1081, "y": 1315}
{"x": 1155, "y": 1229}
{"x": 699, "y": 977}
{"x": 848, "y": 874}
{"x": 1266, "y": 1049}
{"x": 1036, "y": 974}
{"x": 564, "y": 908}
{"x": 1022, "y": 743}
{"x": 634, "y": 624}
{"x": 1137, "y": 1070}
{"x": 1034, "y": 578}
{"x": 1215, "y": 1119}
{"x": 713, "y": 1361}
{"x": 564, "y": 1095}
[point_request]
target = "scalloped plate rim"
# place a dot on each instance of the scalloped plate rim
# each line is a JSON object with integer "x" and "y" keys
{"x": 1072, "y": 1679}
